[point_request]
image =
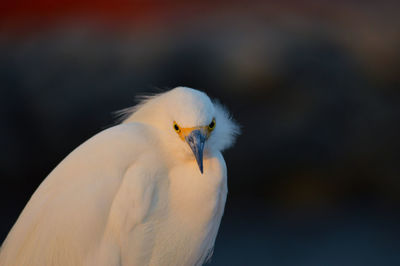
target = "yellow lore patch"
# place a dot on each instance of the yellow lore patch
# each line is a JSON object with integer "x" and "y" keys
{"x": 185, "y": 131}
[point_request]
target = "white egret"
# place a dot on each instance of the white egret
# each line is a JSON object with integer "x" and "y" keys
{"x": 139, "y": 193}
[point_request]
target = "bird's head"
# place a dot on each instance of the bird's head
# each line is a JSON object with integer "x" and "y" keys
{"x": 191, "y": 124}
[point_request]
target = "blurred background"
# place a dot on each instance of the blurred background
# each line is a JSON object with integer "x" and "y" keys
{"x": 314, "y": 177}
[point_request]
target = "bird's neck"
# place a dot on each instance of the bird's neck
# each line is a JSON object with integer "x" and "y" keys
{"x": 194, "y": 197}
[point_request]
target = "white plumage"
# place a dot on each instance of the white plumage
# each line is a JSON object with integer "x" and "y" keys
{"x": 133, "y": 194}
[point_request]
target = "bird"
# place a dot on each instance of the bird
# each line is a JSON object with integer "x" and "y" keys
{"x": 150, "y": 190}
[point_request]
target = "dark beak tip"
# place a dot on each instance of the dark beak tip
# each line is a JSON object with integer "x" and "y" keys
{"x": 200, "y": 164}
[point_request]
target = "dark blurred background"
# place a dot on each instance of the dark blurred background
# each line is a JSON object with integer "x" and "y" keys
{"x": 314, "y": 177}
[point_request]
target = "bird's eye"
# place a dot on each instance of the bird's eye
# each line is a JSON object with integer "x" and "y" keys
{"x": 176, "y": 127}
{"x": 211, "y": 126}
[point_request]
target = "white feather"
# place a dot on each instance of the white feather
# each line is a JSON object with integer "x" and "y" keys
{"x": 132, "y": 194}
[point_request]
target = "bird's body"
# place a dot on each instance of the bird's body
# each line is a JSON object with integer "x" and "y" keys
{"x": 127, "y": 196}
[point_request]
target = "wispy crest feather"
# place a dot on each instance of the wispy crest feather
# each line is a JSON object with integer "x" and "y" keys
{"x": 122, "y": 115}
{"x": 226, "y": 130}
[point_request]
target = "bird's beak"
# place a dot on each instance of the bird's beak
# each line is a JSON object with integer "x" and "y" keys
{"x": 196, "y": 140}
